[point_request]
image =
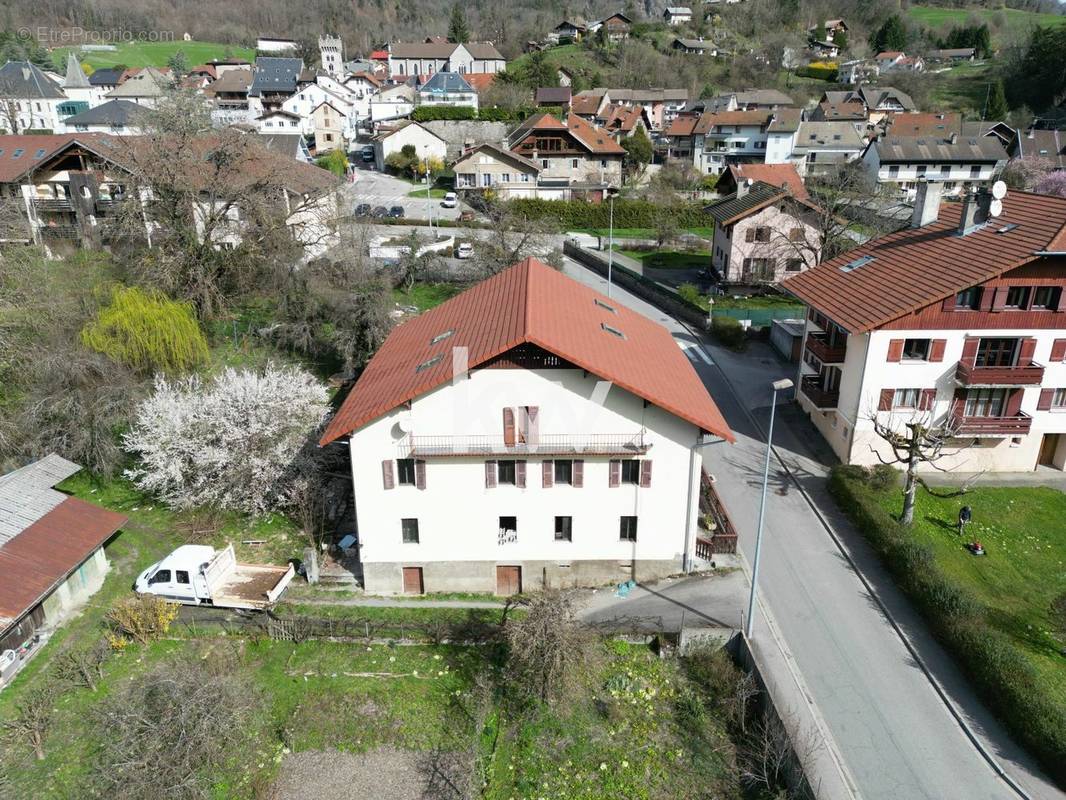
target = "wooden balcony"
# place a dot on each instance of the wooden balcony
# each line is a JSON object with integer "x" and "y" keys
{"x": 826, "y": 353}
{"x": 720, "y": 536}
{"x": 1017, "y": 425}
{"x": 595, "y": 444}
{"x": 53, "y": 204}
{"x": 812, "y": 388}
{"x": 1029, "y": 374}
{"x": 60, "y": 232}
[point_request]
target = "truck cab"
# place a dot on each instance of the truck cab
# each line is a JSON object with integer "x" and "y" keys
{"x": 179, "y": 576}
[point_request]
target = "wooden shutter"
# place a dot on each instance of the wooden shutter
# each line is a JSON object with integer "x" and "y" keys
{"x": 925, "y": 403}
{"x": 520, "y": 474}
{"x": 999, "y": 299}
{"x": 420, "y": 474}
{"x": 614, "y": 476}
{"x": 987, "y": 295}
{"x": 645, "y": 473}
{"x": 1014, "y": 403}
{"x": 969, "y": 350}
{"x": 749, "y": 235}
{"x": 1046, "y": 396}
{"x": 1058, "y": 350}
{"x": 895, "y": 350}
{"x": 533, "y": 425}
{"x": 936, "y": 349}
{"x": 388, "y": 478}
{"x": 547, "y": 476}
{"x": 508, "y": 427}
{"x": 885, "y": 403}
{"x": 948, "y": 304}
{"x": 1026, "y": 350}
{"x": 577, "y": 479}
{"x": 490, "y": 474}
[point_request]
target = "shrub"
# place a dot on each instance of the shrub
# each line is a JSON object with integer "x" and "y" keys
{"x": 820, "y": 70}
{"x": 428, "y": 113}
{"x": 147, "y": 332}
{"x": 142, "y": 618}
{"x": 729, "y": 333}
{"x": 334, "y": 161}
{"x": 690, "y": 293}
{"x": 572, "y": 214}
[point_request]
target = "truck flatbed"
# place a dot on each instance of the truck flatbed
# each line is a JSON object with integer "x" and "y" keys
{"x": 252, "y": 586}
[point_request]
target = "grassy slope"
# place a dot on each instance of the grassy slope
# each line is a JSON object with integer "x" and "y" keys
{"x": 1021, "y": 529}
{"x": 670, "y": 259}
{"x": 426, "y": 295}
{"x": 156, "y": 54}
{"x": 938, "y": 18}
{"x": 575, "y": 57}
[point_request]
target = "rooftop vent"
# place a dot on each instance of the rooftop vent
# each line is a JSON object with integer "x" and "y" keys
{"x": 861, "y": 261}
{"x": 1008, "y": 227}
{"x": 612, "y": 331}
{"x": 440, "y": 337}
{"x": 427, "y": 364}
{"x": 602, "y": 304}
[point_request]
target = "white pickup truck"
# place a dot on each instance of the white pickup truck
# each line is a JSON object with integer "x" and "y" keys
{"x": 196, "y": 574}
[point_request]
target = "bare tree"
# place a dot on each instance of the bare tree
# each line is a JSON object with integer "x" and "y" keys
{"x": 513, "y": 237}
{"x": 33, "y": 718}
{"x": 83, "y": 666}
{"x": 848, "y": 210}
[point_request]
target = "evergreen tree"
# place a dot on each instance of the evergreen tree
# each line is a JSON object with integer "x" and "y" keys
{"x": 179, "y": 65}
{"x": 539, "y": 72}
{"x": 457, "y": 30}
{"x": 638, "y": 151}
{"x": 892, "y": 35}
{"x": 997, "y": 102}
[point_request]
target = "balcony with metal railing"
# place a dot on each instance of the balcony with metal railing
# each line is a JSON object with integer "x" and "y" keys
{"x": 1026, "y": 374}
{"x": 60, "y": 232}
{"x": 811, "y": 386}
{"x": 481, "y": 446}
{"x": 827, "y": 353}
{"x": 53, "y": 204}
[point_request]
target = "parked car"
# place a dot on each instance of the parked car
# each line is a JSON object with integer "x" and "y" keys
{"x": 197, "y": 574}
{"x": 466, "y": 216}
{"x": 368, "y": 153}
{"x": 379, "y": 212}
{"x": 362, "y": 210}
{"x": 451, "y": 200}
{"x": 396, "y": 212}
{"x": 464, "y": 250}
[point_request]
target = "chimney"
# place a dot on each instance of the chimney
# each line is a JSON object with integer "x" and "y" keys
{"x": 975, "y": 211}
{"x": 954, "y": 138}
{"x": 926, "y": 203}
{"x": 743, "y": 186}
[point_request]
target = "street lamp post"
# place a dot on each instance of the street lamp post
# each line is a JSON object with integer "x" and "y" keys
{"x": 429, "y": 199}
{"x": 777, "y": 386}
{"x": 611, "y": 192}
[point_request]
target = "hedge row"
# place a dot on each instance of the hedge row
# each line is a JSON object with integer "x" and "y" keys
{"x": 493, "y": 114}
{"x": 1006, "y": 680}
{"x": 824, "y": 73}
{"x": 627, "y": 213}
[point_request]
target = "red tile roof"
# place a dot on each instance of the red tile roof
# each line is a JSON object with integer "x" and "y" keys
{"x": 784, "y": 176}
{"x": 479, "y": 81}
{"x": 586, "y": 102}
{"x": 35, "y": 561}
{"x": 530, "y": 303}
{"x": 921, "y": 123}
{"x": 12, "y": 168}
{"x": 596, "y": 139}
{"x": 682, "y": 126}
{"x": 917, "y": 267}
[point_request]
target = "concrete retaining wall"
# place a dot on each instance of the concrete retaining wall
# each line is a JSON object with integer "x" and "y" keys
{"x": 458, "y": 133}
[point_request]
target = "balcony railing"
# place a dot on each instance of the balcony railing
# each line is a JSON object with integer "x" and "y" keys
{"x": 605, "y": 444}
{"x": 822, "y": 398}
{"x": 52, "y": 204}
{"x": 60, "y": 232}
{"x": 826, "y": 353}
{"x": 1030, "y": 374}
{"x": 1017, "y": 425}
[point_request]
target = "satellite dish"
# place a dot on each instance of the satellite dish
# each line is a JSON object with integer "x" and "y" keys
{"x": 404, "y": 424}
{"x": 995, "y": 208}
{"x": 999, "y": 190}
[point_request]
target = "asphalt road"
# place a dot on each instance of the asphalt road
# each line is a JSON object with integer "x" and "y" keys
{"x": 896, "y": 736}
{"x": 378, "y": 189}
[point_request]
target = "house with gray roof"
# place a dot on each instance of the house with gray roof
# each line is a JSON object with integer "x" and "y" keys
{"x": 144, "y": 88}
{"x": 29, "y": 99}
{"x": 958, "y": 163}
{"x": 274, "y": 80}
{"x": 677, "y": 15}
{"x": 447, "y": 89}
{"x": 115, "y": 116}
{"x": 822, "y": 147}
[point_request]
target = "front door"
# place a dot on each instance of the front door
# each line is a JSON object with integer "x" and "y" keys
{"x": 1048, "y": 446}
{"x": 412, "y": 580}
{"x": 508, "y": 580}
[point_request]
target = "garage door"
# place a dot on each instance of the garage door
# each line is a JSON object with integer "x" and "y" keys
{"x": 508, "y": 580}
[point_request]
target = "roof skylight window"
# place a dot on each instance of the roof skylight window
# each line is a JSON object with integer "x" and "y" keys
{"x": 861, "y": 261}
{"x": 427, "y": 364}
{"x": 440, "y": 337}
{"x": 1008, "y": 227}
{"x": 612, "y": 331}
{"x": 602, "y": 304}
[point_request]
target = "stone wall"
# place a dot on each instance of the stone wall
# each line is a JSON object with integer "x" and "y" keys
{"x": 459, "y": 133}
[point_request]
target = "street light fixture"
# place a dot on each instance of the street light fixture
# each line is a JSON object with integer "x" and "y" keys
{"x": 777, "y": 386}
{"x": 429, "y": 199}
{"x": 611, "y": 192}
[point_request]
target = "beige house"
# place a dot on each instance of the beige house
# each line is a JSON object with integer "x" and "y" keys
{"x": 330, "y": 123}
{"x": 571, "y": 152}
{"x": 491, "y": 168}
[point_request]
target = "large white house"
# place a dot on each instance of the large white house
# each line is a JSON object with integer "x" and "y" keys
{"x": 528, "y": 433}
{"x": 899, "y": 163}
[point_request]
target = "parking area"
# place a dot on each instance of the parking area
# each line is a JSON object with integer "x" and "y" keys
{"x": 377, "y": 189}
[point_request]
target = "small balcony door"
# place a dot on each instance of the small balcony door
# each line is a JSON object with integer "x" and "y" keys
{"x": 996, "y": 353}
{"x": 986, "y": 402}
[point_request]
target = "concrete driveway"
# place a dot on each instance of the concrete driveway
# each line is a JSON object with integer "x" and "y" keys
{"x": 714, "y": 600}
{"x": 378, "y": 189}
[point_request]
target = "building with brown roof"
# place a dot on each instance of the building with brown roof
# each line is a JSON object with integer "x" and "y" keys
{"x": 576, "y": 158}
{"x": 1049, "y": 145}
{"x": 957, "y": 322}
{"x": 51, "y": 556}
{"x": 426, "y": 58}
{"x": 714, "y": 140}
{"x": 489, "y": 403}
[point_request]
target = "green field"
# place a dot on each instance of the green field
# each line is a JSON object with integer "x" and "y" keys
{"x": 156, "y": 54}
{"x": 1003, "y": 21}
{"x": 574, "y": 57}
{"x": 670, "y": 259}
{"x": 427, "y": 295}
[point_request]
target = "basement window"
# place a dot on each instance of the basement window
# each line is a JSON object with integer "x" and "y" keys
{"x": 427, "y": 364}
{"x": 440, "y": 337}
{"x": 602, "y": 304}
{"x": 612, "y": 331}
{"x": 862, "y": 261}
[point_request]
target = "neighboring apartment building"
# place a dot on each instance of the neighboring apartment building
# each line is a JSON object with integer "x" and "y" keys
{"x": 565, "y": 427}
{"x": 898, "y": 163}
{"x": 29, "y": 99}
{"x": 661, "y": 106}
{"x": 763, "y": 234}
{"x": 572, "y": 154}
{"x": 959, "y": 320}
{"x": 447, "y": 89}
{"x": 51, "y": 556}
{"x": 877, "y": 100}
{"x": 426, "y": 58}
{"x": 821, "y": 148}
{"x": 714, "y": 140}
{"x": 488, "y": 167}
{"x": 145, "y": 87}
{"x": 393, "y": 103}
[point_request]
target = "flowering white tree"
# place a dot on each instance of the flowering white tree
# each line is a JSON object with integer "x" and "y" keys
{"x": 236, "y": 442}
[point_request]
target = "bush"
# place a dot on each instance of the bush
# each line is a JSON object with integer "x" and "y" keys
{"x": 334, "y": 161}
{"x": 429, "y": 113}
{"x": 690, "y": 294}
{"x": 729, "y": 333}
{"x": 143, "y": 618}
{"x": 819, "y": 70}
{"x": 147, "y": 332}
{"x": 1003, "y": 676}
{"x": 572, "y": 214}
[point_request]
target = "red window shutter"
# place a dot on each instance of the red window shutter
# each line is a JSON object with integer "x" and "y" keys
{"x": 999, "y": 299}
{"x": 885, "y": 403}
{"x": 1046, "y": 396}
{"x": 645, "y": 473}
{"x": 749, "y": 235}
{"x": 1014, "y": 403}
{"x": 1058, "y": 350}
{"x": 420, "y": 474}
{"x": 520, "y": 474}
{"x": 895, "y": 350}
{"x": 490, "y": 474}
{"x": 508, "y": 427}
{"x": 927, "y": 400}
{"x": 533, "y": 425}
{"x": 969, "y": 350}
{"x": 1026, "y": 350}
{"x": 987, "y": 294}
{"x": 936, "y": 349}
{"x": 547, "y": 476}
{"x": 577, "y": 479}
{"x": 949, "y": 304}
{"x": 614, "y": 477}
{"x": 388, "y": 479}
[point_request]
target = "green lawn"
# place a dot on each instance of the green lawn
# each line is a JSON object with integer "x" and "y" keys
{"x": 643, "y": 233}
{"x": 962, "y": 88}
{"x": 1025, "y": 569}
{"x": 427, "y": 295}
{"x": 420, "y": 194}
{"x": 1008, "y": 19}
{"x": 670, "y": 259}
{"x": 575, "y": 57}
{"x": 155, "y": 54}
{"x": 768, "y": 301}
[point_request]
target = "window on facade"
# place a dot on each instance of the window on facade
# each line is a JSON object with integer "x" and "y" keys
{"x": 508, "y": 525}
{"x": 486, "y": 179}
{"x": 627, "y": 529}
{"x": 573, "y": 163}
{"x": 975, "y": 171}
{"x": 1017, "y": 297}
{"x": 795, "y": 234}
{"x": 505, "y": 472}
{"x": 630, "y": 470}
{"x": 893, "y": 171}
{"x": 915, "y": 349}
{"x": 405, "y": 471}
{"x": 986, "y": 402}
{"x": 505, "y": 177}
{"x": 1045, "y": 297}
{"x": 564, "y": 529}
{"x": 996, "y": 352}
{"x": 793, "y": 264}
{"x": 409, "y": 530}
{"x": 906, "y": 398}
{"x": 1058, "y": 399}
{"x": 564, "y": 470}
{"x": 968, "y": 298}
{"x": 544, "y": 163}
